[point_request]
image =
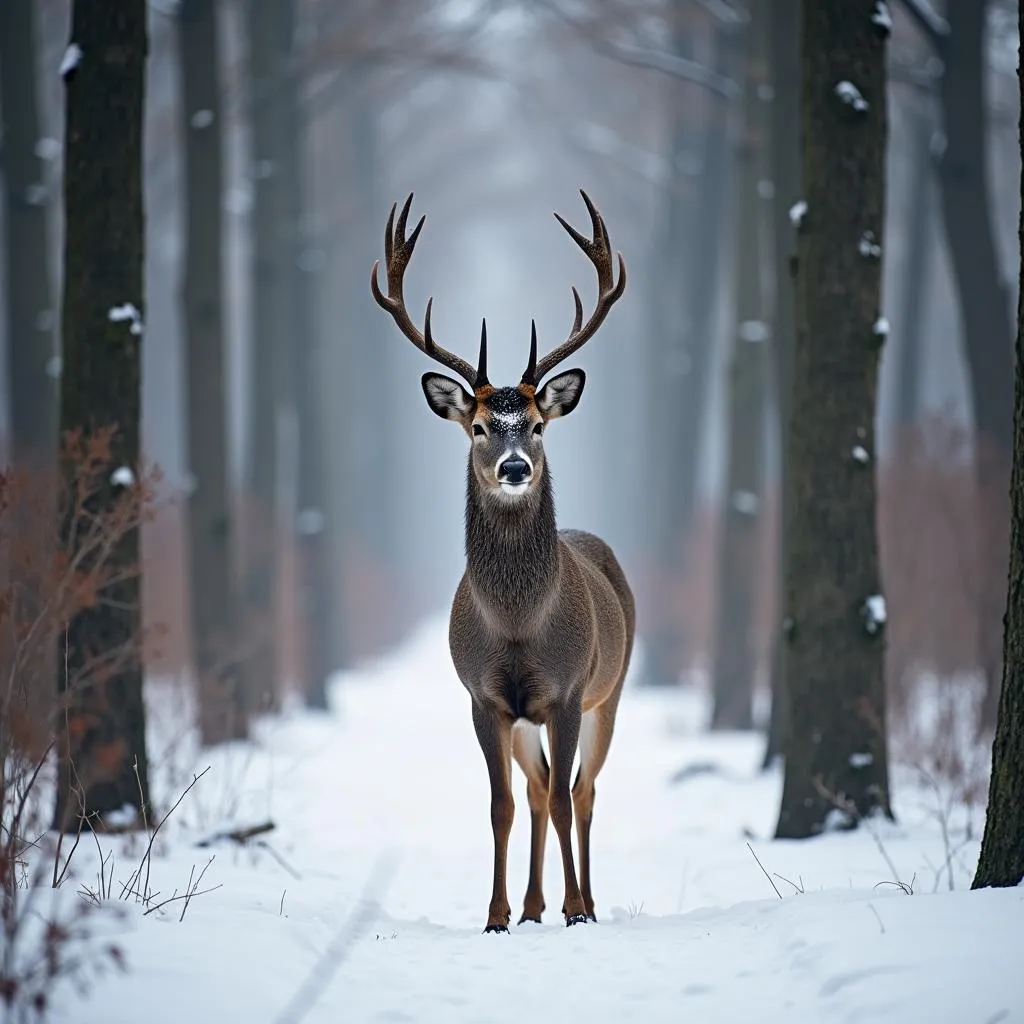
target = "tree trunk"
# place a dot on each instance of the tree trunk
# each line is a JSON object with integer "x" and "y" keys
{"x": 836, "y": 758}
{"x": 30, "y": 314}
{"x": 31, "y": 367}
{"x": 222, "y": 712}
{"x": 268, "y": 396}
{"x": 689, "y": 264}
{"x": 785, "y": 55}
{"x": 735, "y": 652}
{"x": 910, "y": 328}
{"x": 101, "y": 740}
{"x": 316, "y": 604}
{"x": 964, "y": 190}
{"x": 1001, "y": 861}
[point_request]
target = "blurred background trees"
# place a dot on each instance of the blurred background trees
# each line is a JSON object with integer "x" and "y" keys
{"x": 309, "y": 516}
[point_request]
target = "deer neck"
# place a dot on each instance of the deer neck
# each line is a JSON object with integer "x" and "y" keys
{"x": 512, "y": 556}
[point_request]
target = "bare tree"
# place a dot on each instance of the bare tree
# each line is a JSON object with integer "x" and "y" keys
{"x": 222, "y": 714}
{"x": 30, "y": 312}
{"x": 735, "y": 651}
{"x": 1001, "y": 861}
{"x": 835, "y": 748}
{"x": 785, "y": 50}
{"x": 984, "y": 305}
{"x": 101, "y": 745}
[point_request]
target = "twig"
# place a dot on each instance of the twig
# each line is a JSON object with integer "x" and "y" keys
{"x": 280, "y": 909}
{"x": 238, "y": 835}
{"x": 766, "y": 875}
{"x": 798, "y": 888}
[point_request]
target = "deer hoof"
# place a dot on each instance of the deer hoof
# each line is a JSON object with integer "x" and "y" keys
{"x": 576, "y": 919}
{"x": 530, "y": 918}
{"x": 496, "y": 928}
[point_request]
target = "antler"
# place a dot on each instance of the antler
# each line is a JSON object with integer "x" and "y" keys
{"x": 397, "y": 253}
{"x": 599, "y": 252}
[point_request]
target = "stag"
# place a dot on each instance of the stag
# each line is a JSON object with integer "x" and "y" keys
{"x": 542, "y": 623}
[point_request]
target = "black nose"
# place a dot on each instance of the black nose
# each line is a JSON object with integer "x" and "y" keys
{"x": 514, "y": 470}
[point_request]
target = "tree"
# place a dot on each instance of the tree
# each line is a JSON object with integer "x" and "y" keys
{"x": 30, "y": 314}
{"x": 222, "y": 714}
{"x": 835, "y": 748}
{"x": 984, "y": 306}
{"x": 785, "y": 57}
{"x": 101, "y": 739}
{"x": 271, "y": 373}
{"x": 316, "y": 605}
{"x": 31, "y": 376}
{"x": 735, "y": 654}
{"x": 1001, "y": 861}
{"x": 685, "y": 285}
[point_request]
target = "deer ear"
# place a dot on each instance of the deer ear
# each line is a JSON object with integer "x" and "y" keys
{"x": 561, "y": 394}
{"x": 447, "y": 397}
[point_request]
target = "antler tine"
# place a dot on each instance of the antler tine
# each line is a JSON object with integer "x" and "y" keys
{"x": 598, "y": 250}
{"x": 397, "y": 252}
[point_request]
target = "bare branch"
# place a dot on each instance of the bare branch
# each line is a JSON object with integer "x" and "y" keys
{"x": 932, "y": 25}
{"x": 653, "y": 60}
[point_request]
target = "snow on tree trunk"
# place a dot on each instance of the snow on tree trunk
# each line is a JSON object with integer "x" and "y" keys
{"x": 101, "y": 741}
{"x": 1002, "y": 846}
{"x": 835, "y": 749}
{"x": 212, "y": 597}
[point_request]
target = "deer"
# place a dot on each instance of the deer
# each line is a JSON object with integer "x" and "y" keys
{"x": 542, "y": 623}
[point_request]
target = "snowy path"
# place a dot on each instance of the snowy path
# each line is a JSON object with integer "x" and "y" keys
{"x": 690, "y": 928}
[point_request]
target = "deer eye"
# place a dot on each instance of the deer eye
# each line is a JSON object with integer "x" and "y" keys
{"x": 538, "y": 429}
{"x": 478, "y": 431}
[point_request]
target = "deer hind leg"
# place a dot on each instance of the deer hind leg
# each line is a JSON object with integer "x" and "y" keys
{"x": 494, "y": 733}
{"x": 529, "y": 754}
{"x": 595, "y": 738}
{"x": 563, "y": 735}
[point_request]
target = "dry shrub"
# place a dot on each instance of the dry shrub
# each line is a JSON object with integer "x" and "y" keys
{"x": 61, "y": 541}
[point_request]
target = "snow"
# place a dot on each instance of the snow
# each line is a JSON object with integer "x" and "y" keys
{"x": 391, "y": 781}
{"x": 201, "y": 119}
{"x": 851, "y": 96}
{"x": 868, "y": 246}
{"x": 126, "y": 313}
{"x": 122, "y": 477}
{"x": 797, "y": 212}
{"x": 881, "y": 327}
{"x": 875, "y": 612}
{"x": 860, "y": 453}
{"x": 881, "y": 16}
{"x": 71, "y": 59}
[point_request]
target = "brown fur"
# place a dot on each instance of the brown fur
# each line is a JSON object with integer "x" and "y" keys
{"x": 541, "y": 629}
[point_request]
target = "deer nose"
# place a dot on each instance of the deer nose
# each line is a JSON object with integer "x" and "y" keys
{"x": 514, "y": 470}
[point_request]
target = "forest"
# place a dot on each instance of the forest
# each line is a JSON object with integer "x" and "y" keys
{"x": 763, "y": 590}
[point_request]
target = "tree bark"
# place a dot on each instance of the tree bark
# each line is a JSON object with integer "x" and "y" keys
{"x": 1001, "y": 862}
{"x": 964, "y": 192}
{"x": 32, "y": 382}
{"x": 101, "y": 740}
{"x": 222, "y": 710}
{"x": 268, "y": 402}
{"x": 835, "y": 751}
{"x": 735, "y": 651}
{"x": 785, "y": 49}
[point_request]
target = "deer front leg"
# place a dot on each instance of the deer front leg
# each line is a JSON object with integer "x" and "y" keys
{"x": 494, "y": 733}
{"x": 563, "y": 735}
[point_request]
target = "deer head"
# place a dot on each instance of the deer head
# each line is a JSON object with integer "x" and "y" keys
{"x": 505, "y": 425}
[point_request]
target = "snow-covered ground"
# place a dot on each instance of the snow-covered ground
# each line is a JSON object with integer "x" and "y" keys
{"x": 388, "y": 794}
